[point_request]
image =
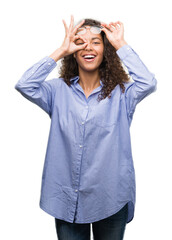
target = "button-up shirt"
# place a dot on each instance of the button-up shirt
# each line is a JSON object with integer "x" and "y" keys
{"x": 88, "y": 172}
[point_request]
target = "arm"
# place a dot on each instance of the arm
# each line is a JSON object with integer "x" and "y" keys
{"x": 144, "y": 81}
{"x": 32, "y": 84}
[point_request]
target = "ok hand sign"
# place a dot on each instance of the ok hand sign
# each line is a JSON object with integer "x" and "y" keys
{"x": 69, "y": 46}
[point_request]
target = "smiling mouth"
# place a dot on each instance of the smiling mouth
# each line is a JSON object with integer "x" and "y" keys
{"x": 89, "y": 58}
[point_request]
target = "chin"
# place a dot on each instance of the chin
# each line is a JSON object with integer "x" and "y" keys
{"x": 89, "y": 68}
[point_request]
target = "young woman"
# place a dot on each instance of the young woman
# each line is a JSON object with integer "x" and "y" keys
{"x": 88, "y": 174}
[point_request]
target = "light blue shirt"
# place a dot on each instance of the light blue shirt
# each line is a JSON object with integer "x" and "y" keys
{"x": 88, "y": 173}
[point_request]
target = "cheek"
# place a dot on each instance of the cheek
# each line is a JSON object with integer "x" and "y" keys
{"x": 101, "y": 50}
{"x": 76, "y": 55}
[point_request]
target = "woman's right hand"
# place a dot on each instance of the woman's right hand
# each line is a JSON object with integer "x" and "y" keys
{"x": 68, "y": 46}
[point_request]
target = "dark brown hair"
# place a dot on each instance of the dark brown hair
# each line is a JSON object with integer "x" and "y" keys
{"x": 111, "y": 70}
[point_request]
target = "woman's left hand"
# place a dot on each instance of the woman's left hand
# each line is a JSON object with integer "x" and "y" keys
{"x": 115, "y": 33}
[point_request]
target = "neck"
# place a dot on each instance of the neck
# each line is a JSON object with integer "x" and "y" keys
{"x": 89, "y": 80}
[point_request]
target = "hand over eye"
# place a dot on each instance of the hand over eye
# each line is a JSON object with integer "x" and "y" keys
{"x": 69, "y": 45}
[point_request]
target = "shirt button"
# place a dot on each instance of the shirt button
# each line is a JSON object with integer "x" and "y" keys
{"x": 86, "y": 106}
{"x": 128, "y": 48}
{"x": 82, "y": 122}
{"x": 49, "y": 63}
{"x": 80, "y": 146}
{"x": 76, "y": 190}
{"x": 32, "y": 71}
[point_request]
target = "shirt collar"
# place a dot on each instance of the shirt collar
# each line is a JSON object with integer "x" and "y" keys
{"x": 76, "y": 78}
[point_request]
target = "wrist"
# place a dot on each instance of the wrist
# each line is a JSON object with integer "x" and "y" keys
{"x": 118, "y": 44}
{"x": 57, "y": 54}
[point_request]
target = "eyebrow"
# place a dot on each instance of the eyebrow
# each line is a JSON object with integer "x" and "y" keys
{"x": 95, "y": 38}
{"x": 92, "y": 38}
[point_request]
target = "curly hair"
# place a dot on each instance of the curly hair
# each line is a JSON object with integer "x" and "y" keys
{"x": 111, "y": 70}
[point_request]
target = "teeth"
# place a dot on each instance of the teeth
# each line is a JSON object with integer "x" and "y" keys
{"x": 89, "y": 56}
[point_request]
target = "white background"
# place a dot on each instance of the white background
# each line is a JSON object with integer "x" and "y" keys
{"x": 31, "y": 30}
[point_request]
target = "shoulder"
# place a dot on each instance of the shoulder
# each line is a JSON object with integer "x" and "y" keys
{"x": 55, "y": 82}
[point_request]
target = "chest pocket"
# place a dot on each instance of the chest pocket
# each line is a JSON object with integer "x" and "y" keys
{"x": 105, "y": 115}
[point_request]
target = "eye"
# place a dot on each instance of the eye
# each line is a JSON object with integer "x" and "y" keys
{"x": 96, "y": 43}
{"x": 79, "y": 42}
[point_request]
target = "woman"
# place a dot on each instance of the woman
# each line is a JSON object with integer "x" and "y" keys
{"x": 88, "y": 174}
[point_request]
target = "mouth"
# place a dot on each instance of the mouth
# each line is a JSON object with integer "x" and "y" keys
{"x": 89, "y": 57}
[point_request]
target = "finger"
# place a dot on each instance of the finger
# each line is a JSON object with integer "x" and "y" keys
{"x": 121, "y": 25}
{"x": 106, "y": 27}
{"x": 80, "y": 47}
{"x": 105, "y": 30}
{"x": 79, "y": 37}
{"x": 65, "y": 25}
{"x": 118, "y": 24}
{"x": 114, "y": 24}
{"x": 112, "y": 27}
{"x": 78, "y": 26}
{"x": 82, "y": 38}
{"x": 71, "y": 23}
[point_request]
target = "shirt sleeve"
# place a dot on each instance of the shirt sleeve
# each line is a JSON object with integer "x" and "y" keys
{"x": 144, "y": 82}
{"x": 32, "y": 84}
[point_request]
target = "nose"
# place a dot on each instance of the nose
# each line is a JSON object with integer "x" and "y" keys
{"x": 88, "y": 47}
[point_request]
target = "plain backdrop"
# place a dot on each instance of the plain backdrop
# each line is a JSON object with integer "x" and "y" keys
{"x": 31, "y": 30}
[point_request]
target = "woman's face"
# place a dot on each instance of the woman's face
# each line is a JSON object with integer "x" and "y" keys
{"x": 95, "y": 47}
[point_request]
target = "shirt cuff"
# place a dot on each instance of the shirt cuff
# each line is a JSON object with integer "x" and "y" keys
{"x": 124, "y": 51}
{"x": 48, "y": 63}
